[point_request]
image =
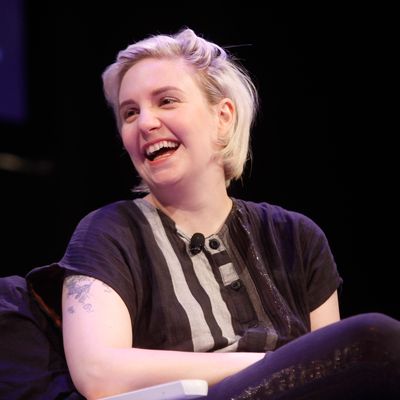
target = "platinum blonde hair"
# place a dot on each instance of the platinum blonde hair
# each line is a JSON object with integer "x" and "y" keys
{"x": 219, "y": 76}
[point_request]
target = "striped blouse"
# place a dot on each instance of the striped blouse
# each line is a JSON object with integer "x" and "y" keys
{"x": 250, "y": 288}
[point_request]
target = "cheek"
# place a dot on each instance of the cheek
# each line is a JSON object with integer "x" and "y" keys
{"x": 129, "y": 140}
{"x": 196, "y": 126}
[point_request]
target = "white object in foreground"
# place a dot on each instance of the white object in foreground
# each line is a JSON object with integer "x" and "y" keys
{"x": 177, "y": 390}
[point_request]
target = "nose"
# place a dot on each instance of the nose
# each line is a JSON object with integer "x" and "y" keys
{"x": 148, "y": 121}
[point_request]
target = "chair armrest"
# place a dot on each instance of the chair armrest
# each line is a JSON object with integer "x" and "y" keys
{"x": 177, "y": 390}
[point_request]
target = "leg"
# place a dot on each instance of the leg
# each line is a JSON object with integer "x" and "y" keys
{"x": 356, "y": 358}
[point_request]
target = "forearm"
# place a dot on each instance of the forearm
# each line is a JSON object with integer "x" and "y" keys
{"x": 119, "y": 370}
{"x": 97, "y": 333}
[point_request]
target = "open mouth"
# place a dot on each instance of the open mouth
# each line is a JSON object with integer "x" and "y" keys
{"x": 161, "y": 149}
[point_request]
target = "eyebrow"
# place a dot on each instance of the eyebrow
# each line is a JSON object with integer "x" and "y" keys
{"x": 154, "y": 93}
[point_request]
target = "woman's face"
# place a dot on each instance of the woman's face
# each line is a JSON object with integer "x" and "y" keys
{"x": 168, "y": 127}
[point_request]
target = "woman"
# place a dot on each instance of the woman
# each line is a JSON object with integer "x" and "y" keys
{"x": 188, "y": 282}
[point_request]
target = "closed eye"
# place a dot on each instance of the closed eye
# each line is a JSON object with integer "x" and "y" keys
{"x": 165, "y": 101}
{"x": 130, "y": 113}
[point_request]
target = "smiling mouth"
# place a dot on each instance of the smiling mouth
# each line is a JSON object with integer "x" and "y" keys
{"x": 161, "y": 150}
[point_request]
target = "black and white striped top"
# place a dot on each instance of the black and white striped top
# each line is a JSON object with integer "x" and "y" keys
{"x": 251, "y": 288}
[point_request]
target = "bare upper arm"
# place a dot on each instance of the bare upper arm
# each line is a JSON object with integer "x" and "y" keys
{"x": 94, "y": 318}
{"x": 326, "y": 313}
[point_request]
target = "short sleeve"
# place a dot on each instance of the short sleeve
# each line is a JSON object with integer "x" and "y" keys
{"x": 102, "y": 246}
{"x": 322, "y": 276}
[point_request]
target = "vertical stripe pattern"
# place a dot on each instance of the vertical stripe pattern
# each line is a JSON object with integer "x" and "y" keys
{"x": 201, "y": 334}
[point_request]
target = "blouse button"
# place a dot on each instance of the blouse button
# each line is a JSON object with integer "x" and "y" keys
{"x": 214, "y": 244}
{"x": 236, "y": 285}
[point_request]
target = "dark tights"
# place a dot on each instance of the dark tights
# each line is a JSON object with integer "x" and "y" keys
{"x": 356, "y": 358}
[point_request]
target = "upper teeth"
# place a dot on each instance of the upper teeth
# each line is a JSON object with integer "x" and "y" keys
{"x": 159, "y": 145}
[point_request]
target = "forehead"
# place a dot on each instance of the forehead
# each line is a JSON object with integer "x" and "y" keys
{"x": 150, "y": 74}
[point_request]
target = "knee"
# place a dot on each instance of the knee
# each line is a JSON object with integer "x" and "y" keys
{"x": 375, "y": 322}
{"x": 376, "y": 328}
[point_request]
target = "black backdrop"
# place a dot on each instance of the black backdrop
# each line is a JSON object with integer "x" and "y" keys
{"x": 316, "y": 71}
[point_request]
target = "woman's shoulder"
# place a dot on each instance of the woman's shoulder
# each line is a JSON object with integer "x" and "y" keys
{"x": 269, "y": 210}
{"x": 120, "y": 212}
{"x": 274, "y": 214}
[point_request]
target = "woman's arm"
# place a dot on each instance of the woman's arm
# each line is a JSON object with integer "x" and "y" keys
{"x": 326, "y": 313}
{"x": 98, "y": 346}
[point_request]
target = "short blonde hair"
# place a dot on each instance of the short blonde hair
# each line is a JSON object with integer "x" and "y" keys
{"x": 220, "y": 76}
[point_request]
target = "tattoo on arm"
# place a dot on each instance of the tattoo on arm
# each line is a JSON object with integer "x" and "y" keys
{"x": 78, "y": 287}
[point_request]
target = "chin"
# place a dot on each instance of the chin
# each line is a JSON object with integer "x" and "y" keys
{"x": 164, "y": 183}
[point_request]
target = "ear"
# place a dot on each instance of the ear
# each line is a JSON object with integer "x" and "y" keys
{"x": 226, "y": 117}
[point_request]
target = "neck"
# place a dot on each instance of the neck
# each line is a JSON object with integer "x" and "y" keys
{"x": 192, "y": 210}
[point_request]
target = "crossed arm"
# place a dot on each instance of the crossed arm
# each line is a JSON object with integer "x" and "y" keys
{"x": 98, "y": 344}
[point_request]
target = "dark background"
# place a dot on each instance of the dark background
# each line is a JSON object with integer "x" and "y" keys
{"x": 319, "y": 145}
